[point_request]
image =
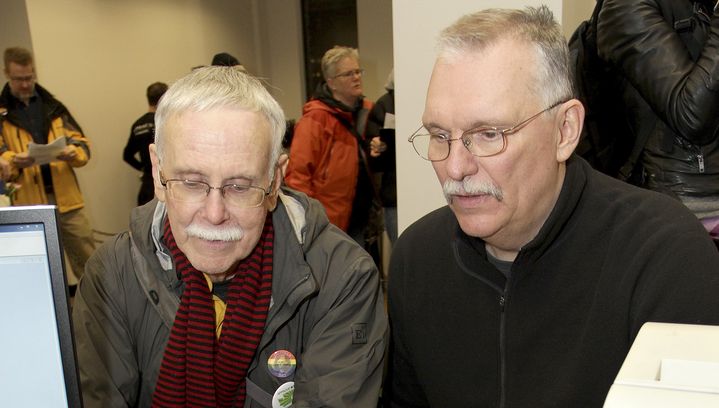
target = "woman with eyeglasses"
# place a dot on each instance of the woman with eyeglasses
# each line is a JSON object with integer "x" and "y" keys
{"x": 329, "y": 151}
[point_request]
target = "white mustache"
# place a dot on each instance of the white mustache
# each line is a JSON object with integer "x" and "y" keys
{"x": 215, "y": 234}
{"x": 470, "y": 187}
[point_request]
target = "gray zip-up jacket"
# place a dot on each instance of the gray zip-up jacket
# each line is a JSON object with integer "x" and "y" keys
{"x": 327, "y": 309}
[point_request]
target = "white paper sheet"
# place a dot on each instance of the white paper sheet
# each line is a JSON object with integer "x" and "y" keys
{"x": 45, "y": 153}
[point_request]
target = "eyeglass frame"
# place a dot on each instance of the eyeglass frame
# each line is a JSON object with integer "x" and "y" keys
{"x": 265, "y": 193}
{"x": 23, "y": 79}
{"x": 350, "y": 73}
{"x": 502, "y": 132}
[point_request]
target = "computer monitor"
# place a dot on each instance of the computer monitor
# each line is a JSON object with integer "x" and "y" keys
{"x": 37, "y": 353}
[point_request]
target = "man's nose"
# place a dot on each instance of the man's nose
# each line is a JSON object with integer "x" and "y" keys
{"x": 215, "y": 207}
{"x": 460, "y": 162}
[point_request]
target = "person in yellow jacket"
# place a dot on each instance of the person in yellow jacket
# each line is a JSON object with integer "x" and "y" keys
{"x": 30, "y": 114}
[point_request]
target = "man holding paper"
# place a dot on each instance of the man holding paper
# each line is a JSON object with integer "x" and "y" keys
{"x": 41, "y": 143}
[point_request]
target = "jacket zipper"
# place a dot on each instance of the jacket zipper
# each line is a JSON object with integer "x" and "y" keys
{"x": 502, "y": 351}
{"x": 700, "y": 159}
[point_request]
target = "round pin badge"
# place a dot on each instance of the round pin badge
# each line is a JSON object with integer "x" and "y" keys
{"x": 282, "y": 363}
{"x": 283, "y": 396}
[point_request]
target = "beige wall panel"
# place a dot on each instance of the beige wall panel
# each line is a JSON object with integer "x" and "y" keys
{"x": 98, "y": 56}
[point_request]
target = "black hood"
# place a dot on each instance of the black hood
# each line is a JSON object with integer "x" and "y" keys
{"x": 323, "y": 94}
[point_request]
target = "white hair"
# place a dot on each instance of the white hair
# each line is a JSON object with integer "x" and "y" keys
{"x": 213, "y": 87}
{"x": 535, "y": 26}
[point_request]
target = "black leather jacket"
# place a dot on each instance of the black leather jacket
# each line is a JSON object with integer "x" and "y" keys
{"x": 668, "y": 53}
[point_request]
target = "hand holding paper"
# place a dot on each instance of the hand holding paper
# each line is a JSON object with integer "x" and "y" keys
{"x": 22, "y": 160}
{"x": 68, "y": 153}
{"x": 44, "y": 154}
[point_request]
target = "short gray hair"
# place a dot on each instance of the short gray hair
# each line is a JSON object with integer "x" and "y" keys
{"x": 333, "y": 56}
{"x": 534, "y": 25}
{"x": 213, "y": 87}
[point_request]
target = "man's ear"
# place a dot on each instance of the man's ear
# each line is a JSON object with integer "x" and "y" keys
{"x": 570, "y": 121}
{"x": 279, "y": 177}
{"x": 159, "y": 189}
{"x": 282, "y": 163}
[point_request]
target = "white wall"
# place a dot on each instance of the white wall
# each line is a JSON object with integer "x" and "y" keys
{"x": 416, "y": 26}
{"x": 575, "y": 12}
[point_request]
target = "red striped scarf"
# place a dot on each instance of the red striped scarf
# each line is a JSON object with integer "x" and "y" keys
{"x": 198, "y": 370}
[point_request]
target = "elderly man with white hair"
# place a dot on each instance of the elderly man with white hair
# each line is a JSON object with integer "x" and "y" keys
{"x": 228, "y": 290}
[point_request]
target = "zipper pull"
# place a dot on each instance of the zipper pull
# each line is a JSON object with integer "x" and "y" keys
{"x": 501, "y": 303}
{"x": 700, "y": 159}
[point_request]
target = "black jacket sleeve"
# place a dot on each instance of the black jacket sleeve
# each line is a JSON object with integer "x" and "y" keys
{"x": 639, "y": 38}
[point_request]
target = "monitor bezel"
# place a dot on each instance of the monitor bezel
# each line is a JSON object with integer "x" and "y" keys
{"x": 49, "y": 217}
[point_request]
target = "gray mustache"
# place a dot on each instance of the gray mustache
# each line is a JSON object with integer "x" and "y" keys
{"x": 470, "y": 187}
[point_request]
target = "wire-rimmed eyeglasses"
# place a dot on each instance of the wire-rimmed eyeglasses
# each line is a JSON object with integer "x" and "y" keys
{"x": 350, "y": 73}
{"x": 482, "y": 141}
{"x": 195, "y": 191}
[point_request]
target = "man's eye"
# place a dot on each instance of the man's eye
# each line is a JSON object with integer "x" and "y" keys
{"x": 194, "y": 185}
{"x": 237, "y": 189}
{"x": 485, "y": 135}
{"x": 438, "y": 138}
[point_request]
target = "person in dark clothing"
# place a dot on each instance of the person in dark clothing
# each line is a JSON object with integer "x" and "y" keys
{"x": 529, "y": 288}
{"x": 666, "y": 53}
{"x": 224, "y": 59}
{"x": 142, "y": 134}
{"x": 382, "y": 150}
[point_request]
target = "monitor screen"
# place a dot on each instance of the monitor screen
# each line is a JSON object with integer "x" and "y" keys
{"x": 37, "y": 355}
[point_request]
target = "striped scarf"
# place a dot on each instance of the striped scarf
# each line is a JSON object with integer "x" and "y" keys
{"x": 199, "y": 370}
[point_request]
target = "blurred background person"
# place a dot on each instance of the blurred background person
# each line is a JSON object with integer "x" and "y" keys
{"x": 142, "y": 134}
{"x": 224, "y": 59}
{"x": 666, "y": 54}
{"x": 328, "y": 154}
{"x": 382, "y": 150}
{"x": 33, "y": 115}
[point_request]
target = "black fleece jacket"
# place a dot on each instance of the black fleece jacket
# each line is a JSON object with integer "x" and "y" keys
{"x": 609, "y": 258}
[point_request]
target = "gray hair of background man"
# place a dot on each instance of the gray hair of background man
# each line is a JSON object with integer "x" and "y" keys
{"x": 533, "y": 25}
{"x": 333, "y": 56}
{"x": 214, "y": 87}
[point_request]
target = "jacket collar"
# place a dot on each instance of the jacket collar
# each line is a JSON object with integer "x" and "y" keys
{"x": 51, "y": 107}
{"x": 575, "y": 180}
{"x": 569, "y": 197}
{"x": 9, "y": 101}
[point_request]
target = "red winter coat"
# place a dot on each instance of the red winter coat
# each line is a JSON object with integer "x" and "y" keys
{"x": 324, "y": 159}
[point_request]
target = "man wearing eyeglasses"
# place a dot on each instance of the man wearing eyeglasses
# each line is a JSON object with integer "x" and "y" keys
{"x": 528, "y": 289}
{"x": 228, "y": 290}
{"x": 30, "y": 114}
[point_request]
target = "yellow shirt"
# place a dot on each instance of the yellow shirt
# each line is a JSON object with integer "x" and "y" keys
{"x": 220, "y": 308}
